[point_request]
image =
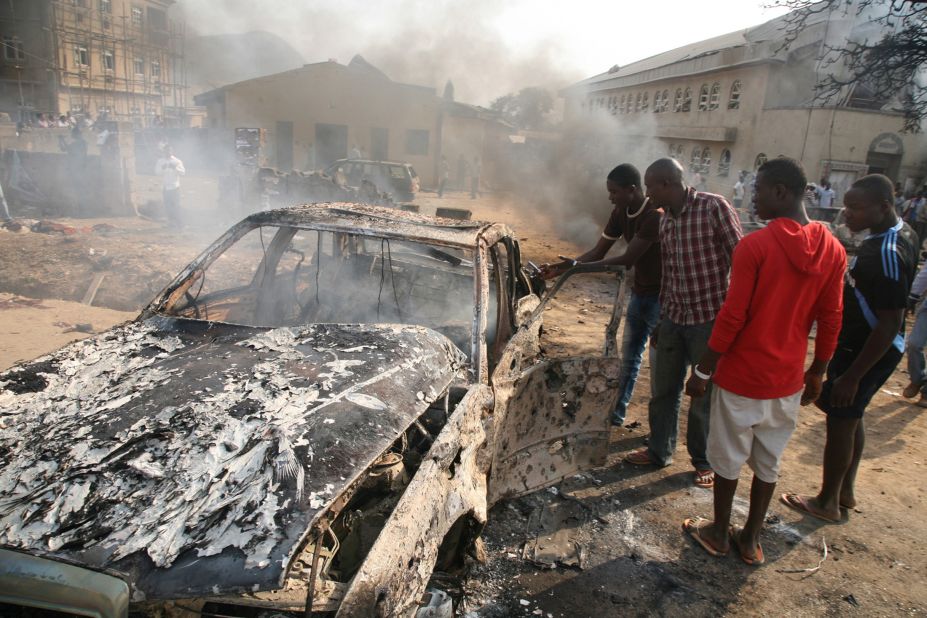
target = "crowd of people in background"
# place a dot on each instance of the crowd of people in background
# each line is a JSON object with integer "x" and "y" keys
{"x": 729, "y": 316}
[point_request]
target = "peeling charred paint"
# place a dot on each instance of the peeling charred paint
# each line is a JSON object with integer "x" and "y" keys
{"x": 450, "y": 484}
{"x": 168, "y": 443}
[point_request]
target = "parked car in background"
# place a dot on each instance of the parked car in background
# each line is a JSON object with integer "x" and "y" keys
{"x": 393, "y": 177}
{"x": 316, "y": 414}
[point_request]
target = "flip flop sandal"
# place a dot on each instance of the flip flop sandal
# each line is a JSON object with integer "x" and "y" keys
{"x": 705, "y": 479}
{"x": 757, "y": 559}
{"x": 797, "y": 503}
{"x": 640, "y": 457}
{"x": 690, "y": 527}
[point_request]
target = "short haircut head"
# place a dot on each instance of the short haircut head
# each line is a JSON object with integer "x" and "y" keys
{"x": 625, "y": 175}
{"x": 666, "y": 170}
{"x": 786, "y": 172}
{"x": 877, "y": 186}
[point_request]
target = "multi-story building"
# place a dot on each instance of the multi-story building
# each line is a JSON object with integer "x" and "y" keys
{"x": 726, "y": 104}
{"x": 121, "y": 58}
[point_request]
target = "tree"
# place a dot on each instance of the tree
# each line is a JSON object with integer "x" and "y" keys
{"x": 888, "y": 67}
{"x": 526, "y": 109}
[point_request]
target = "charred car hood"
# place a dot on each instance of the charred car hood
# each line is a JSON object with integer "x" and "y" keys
{"x": 192, "y": 456}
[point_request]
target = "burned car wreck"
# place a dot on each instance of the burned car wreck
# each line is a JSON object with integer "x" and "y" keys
{"x": 312, "y": 417}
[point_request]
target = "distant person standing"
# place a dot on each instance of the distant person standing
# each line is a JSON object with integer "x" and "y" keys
{"x": 739, "y": 192}
{"x": 170, "y": 169}
{"x": 475, "y": 174}
{"x": 444, "y": 171}
{"x": 76, "y": 151}
{"x": 917, "y": 340}
{"x": 826, "y": 195}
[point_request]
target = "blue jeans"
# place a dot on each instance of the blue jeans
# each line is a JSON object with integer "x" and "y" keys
{"x": 640, "y": 320}
{"x": 678, "y": 347}
{"x": 917, "y": 339}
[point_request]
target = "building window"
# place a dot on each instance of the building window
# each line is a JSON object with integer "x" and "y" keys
{"x": 724, "y": 163}
{"x": 760, "y": 160}
{"x": 645, "y": 102}
{"x": 715, "y": 100}
{"x": 417, "y": 141}
{"x": 656, "y": 102}
{"x": 695, "y": 160}
{"x": 703, "y": 98}
{"x": 687, "y": 100}
{"x": 677, "y": 100}
{"x": 665, "y": 104}
{"x": 81, "y": 57}
{"x": 80, "y": 3}
{"x": 106, "y": 6}
{"x": 637, "y": 102}
{"x": 621, "y": 105}
{"x": 109, "y": 60}
{"x": 155, "y": 69}
{"x": 705, "y": 167}
{"x": 139, "y": 65}
{"x": 734, "y": 101}
{"x": 137, "y": 16}
{"x": 13, "y": 48}
{"x": 627, "y": 106}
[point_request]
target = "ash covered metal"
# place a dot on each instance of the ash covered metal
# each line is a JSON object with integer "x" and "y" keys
{"x": 169, "y": 442}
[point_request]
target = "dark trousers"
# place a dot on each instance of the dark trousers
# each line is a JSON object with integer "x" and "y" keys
{"x": 678, "y": 347}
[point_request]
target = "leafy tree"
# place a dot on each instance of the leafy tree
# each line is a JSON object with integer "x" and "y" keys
{"x": 891, "y": 67}
{"x": 526, "y": 109}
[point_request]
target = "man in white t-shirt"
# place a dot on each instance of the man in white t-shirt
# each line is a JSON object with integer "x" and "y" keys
{"x": 170, "y": 169}
{"x": 826, "y": 195}
{"x": 739, "y": 192}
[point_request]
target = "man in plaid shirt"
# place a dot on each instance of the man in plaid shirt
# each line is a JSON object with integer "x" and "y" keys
{"x": 697, "y": 237}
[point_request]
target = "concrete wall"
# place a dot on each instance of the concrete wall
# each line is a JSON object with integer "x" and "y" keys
{"x": 41, "y": 180}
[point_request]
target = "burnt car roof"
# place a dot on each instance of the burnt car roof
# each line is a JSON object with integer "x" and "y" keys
{"x": 379, "y": 221}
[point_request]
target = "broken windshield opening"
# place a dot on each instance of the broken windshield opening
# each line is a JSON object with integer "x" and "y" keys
{"x": 285, "y": 276}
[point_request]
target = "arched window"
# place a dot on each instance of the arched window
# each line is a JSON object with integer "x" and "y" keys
{"x": 677, "y": 101}
{"x": 645, "y": 102}
{"x": 637, "y": 103}
{"x": 665, "y": 105}
{"x": 705, "y": 167}
{"x": 657, "y": 102}
{"x": 715, "y": 100}
{"x": 703, "y": 98}
{"x": 724, "y": 163}
{"x": 734, "y": 101}
{"x": 627, "y": 106}
{"x": 687, "y": 100}
{"x": 696, "y": 160}
{"x": 621, "y": 106}
{"x": 672, "y": 150}
{"x": 760, "y": 160}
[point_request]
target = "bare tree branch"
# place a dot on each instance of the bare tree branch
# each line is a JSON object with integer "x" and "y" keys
{"x": 889, "y": 69}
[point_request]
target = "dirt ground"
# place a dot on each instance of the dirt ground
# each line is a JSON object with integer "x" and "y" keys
{"x": 623, "y": 521}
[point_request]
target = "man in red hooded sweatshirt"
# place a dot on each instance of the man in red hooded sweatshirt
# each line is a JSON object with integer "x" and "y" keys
{"x": 783, "y": 279}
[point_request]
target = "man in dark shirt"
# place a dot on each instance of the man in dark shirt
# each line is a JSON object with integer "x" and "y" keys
{"x": 871, "y": 340}
{"x": 637, "y": 220}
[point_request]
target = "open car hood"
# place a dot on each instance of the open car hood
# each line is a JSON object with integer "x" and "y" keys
{"x": 192, "y": 457}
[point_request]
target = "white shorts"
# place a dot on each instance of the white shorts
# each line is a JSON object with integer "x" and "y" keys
{"x": 752, "y": 431}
